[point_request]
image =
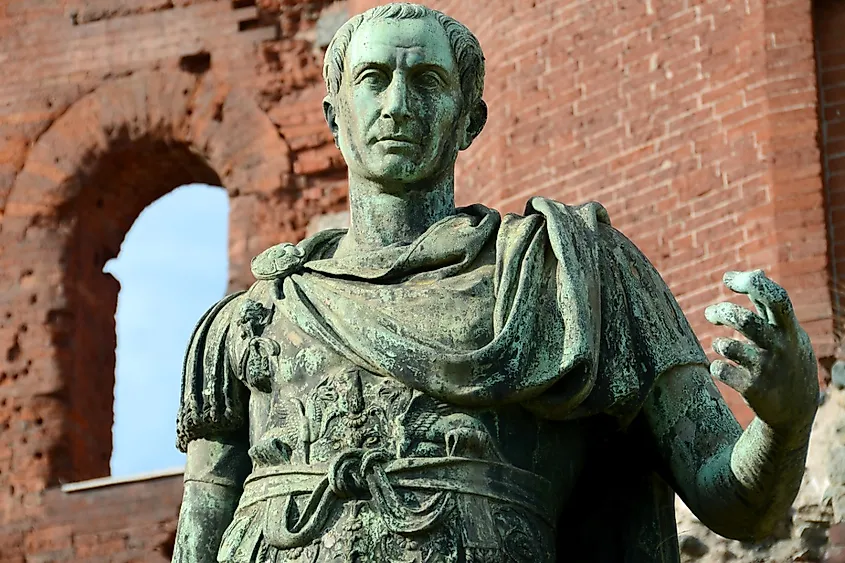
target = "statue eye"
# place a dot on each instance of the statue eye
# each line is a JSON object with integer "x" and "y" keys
{"x": 430, "y": 80}
{"x": 373, "y": 77}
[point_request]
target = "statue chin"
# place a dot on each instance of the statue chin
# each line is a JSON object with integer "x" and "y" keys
{"x": 396, "y": 169}
{"x": 399, "y": 168}
{"x": 396, "y": 162}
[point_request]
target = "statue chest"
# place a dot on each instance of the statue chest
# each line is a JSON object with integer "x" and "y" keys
{"x": 351, "y": 465}
{"x": 309, "y": 404}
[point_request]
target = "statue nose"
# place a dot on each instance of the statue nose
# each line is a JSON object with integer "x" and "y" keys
{"x": 396, "y": 102}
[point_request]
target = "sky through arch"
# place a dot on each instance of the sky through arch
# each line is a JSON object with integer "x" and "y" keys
{"x": 172, "y": 266}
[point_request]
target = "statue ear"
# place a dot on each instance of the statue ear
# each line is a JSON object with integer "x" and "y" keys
{"x": 475, "y": 123}
{"x": 331, "y": 118}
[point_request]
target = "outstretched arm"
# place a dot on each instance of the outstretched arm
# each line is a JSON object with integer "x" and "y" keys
{"x": 740, "y": 483}
{"x": 214, "y": 476}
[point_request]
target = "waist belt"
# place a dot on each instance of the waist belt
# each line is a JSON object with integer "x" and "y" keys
{"x": 372, "y": 475}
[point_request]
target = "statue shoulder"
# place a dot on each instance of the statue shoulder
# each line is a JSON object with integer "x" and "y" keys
{"x": 217, "y": 317}
{"x": 592, "y": 212}
{"x": 213, "y": 399}
{"x": 590, "y": 221}
{"x": 277, "y": 261}
{"x": 284, "y": 259}
{"x": 226, "y": 323}
{"x": 595, "y": 217}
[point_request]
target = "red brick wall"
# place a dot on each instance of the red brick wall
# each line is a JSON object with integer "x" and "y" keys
{"x": 694, "y": 123}
{"x": 133, "y": 521}
{"x": 830, "y": 46}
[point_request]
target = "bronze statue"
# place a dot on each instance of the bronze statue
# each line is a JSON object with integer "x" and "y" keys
{"x": 449, "y": 385}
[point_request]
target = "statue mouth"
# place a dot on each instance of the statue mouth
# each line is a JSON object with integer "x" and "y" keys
{"x": 399, "y": 139}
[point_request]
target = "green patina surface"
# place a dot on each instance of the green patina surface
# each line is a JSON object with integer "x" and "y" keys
{"x": 447, "y": 384}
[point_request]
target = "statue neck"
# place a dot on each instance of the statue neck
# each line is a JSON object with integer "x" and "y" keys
{"x": 384, "y": 215}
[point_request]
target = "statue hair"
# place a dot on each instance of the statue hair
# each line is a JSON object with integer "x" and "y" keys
{"x": 465, "y": 47}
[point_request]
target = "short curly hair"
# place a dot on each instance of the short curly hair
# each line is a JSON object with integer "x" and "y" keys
{"x": 465, "y": 47}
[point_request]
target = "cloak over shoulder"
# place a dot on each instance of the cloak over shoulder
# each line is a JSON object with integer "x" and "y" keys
{"x": 581, "y": 322}
{"x": 214, "y": 400}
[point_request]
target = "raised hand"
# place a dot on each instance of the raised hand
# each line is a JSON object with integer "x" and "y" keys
{"x": 776, "y": 372}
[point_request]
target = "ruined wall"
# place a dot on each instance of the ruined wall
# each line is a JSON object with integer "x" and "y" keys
{"x": 124, "y": 521}
{"x": 830, "y": 46}
{"x": 694, "y": 122}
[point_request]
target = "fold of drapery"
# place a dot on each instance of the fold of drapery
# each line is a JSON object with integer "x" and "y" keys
{"x": 555, "y": 310}
{"x": 573, "y": 303}
{"x": 546, "y": 318}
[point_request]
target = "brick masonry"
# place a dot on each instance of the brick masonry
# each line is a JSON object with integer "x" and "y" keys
{"x": 830, "y": 45}
{"x": 695, "y": 123}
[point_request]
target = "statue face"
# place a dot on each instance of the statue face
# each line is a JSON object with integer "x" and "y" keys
{"x": 398, "y": 112}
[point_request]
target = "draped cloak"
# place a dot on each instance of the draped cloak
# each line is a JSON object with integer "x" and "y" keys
{"x": 581, "y": 325}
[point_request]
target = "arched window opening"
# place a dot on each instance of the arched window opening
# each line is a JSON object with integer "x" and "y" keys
{"x": 172, "y": 266}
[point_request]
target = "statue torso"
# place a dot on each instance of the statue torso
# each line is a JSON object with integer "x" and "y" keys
{"x": 353, "y": 466}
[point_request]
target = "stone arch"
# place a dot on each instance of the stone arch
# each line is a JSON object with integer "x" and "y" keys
{"x": 85, "y": 180}
{"x": 220, "y": 125}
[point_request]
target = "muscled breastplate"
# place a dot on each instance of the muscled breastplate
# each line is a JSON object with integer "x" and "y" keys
{"x": 353, "y": 466}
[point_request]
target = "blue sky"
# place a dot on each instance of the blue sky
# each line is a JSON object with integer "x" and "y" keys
{"x": 172, "y": 267}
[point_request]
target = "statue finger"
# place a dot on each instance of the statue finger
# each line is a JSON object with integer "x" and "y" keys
{"x": 776, "y": 300}
{"x": 745, "y": 354}
{"x": 735, "y": 377}
{"x": 765, "y": 294}
{"x": 752, "y": 326}
{"x": 738, "y": 282}
{"x": 762, "y": 310}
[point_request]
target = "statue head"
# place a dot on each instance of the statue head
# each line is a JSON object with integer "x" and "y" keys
{"x": 404, "y": 89}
